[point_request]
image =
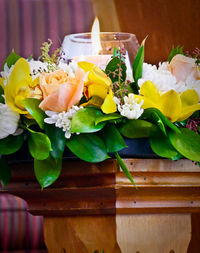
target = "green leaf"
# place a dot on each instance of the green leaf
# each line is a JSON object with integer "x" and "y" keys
{"x": 88, "y": 147}
{"x": 112, "y": 70}
{"x": 135, "y": 88}
{"x": 83, "y": 121}
{"x": 2, "y": 100}
{"x": 58, "y": 140}
{"x": 155, "y": 116}
{"x": 175, "y": 51}
{"x": 161, "y": 145}
{"x": 112, "y": 138}
{"x": 187, "y": 142}
{"x": 39, "y": 145}
{"x": 107, "y": 117}
{"x": 11, "y": 144}
{"x": 29, "y": 122}
{"x": 11, "y": 59}
{"x": 1, "y": 90}
{"x": 124, "y": 168}
{"x": 138, "y": 64}
{"x": 137, "y": 129}
{"x": 47, "y": 171}
{"x": 5, "y": 172}
{"x": 32, "y": 106}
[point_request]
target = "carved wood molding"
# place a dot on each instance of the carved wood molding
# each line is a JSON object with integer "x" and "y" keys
{"x": 85, "y": 189}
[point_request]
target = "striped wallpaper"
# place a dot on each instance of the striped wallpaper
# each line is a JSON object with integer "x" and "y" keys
{"x": 26, "y": 24}
{"x": 19, "y": 230}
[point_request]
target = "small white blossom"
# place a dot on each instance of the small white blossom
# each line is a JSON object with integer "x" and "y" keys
{"x": 62, "y": 119}
{"x": 37, "y": 67}
{"x": 131, "y": 109}
{"x": 69, "y": 68}
{"x": 8, "y": 121}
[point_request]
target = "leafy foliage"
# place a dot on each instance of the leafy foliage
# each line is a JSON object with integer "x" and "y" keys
{"x": 138, "y": 67}
{"x": 47, "y": 171}
{"x": 187, "y": 143}
{"x": 161, "y": 146}
{"x": 32, "y": 106}
{"x": 11, "y": 144}
{"x": 124, "y": 168}
{"x": 57, "y": 138}
{"x": 84, "y": 121}
{"x": 112, "y": 138}
{"x": 116, "y": 70}
{"x": 88, "y": 147}
{"x": 137, "y": 129}
{"x": 39, "y": 145}
{"x": 11, "y": 59}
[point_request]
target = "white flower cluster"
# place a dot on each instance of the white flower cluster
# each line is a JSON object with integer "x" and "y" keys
{"x": 131, "y": 109}
{"x": 9, "y": 121}
{"x": 62, "y": 119}
{"x": 161, "y": 77}
{"x": 165, "y": 81}
{"x": 37, "y": 67}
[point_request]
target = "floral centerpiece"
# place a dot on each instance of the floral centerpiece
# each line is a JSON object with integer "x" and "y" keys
{"x": 51, "y": 106}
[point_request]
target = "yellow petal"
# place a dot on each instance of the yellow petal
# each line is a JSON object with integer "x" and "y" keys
{"x": 86, "y": 66}
{"x": 109, "y": 105}
{"x": 94, "y": 101}
{"x": 1, "y": 82}
{"x": 97, "y": 90}
{"x": 95, "y": 75}
{"x": 18, "y": 82}
{"x": 148, "y": 89}
{"x": 147, "y": 102}
{"x": 188, "y": 111}
{"x": 189, "y": 97}
{"x": 171, "y": 105}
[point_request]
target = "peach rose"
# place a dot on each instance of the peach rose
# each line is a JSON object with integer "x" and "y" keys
{"x": 183, "y": 67}
{"x": 61, "y": 92}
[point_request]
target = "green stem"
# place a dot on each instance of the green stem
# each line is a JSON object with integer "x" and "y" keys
{"x": 124, "y": 168}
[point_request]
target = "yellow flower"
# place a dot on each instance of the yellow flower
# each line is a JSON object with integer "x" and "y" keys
{"x": 20, "y": 86}
{"x": 176, "y": 107}
{"x": 98, "y": 85}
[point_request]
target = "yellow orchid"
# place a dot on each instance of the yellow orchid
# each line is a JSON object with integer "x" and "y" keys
{"x": 20, "y": 86}
{"x": 98, "y": 88}
{"x": 1, "y": 82}
{"x": 176, "y": 107}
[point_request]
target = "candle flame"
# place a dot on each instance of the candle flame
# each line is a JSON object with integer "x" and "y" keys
{"x": 95, "y": 37}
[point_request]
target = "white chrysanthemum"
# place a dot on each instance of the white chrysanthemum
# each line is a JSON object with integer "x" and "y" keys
{"x": 161, "y": 77}
{"x": 9, "y": 121}
{"x": 69, "y": 68}
{"x": 131, "y": 109}
{"x": 37, "y": 67}
{"x": 62, "y": 120}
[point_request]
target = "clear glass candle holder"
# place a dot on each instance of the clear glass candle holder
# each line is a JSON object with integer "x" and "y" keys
{"x": 80, "y": 47}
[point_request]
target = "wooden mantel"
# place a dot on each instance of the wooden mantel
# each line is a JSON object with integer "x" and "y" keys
{"x": 95, "y": 207}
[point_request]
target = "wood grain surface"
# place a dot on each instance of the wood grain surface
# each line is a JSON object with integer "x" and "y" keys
{"x": 94, "y": 207}
{"x": 157, "y": 233}
{"x": 86, "y": 234}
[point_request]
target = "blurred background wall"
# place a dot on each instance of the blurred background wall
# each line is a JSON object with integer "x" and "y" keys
{"x": 26, "y": 24}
